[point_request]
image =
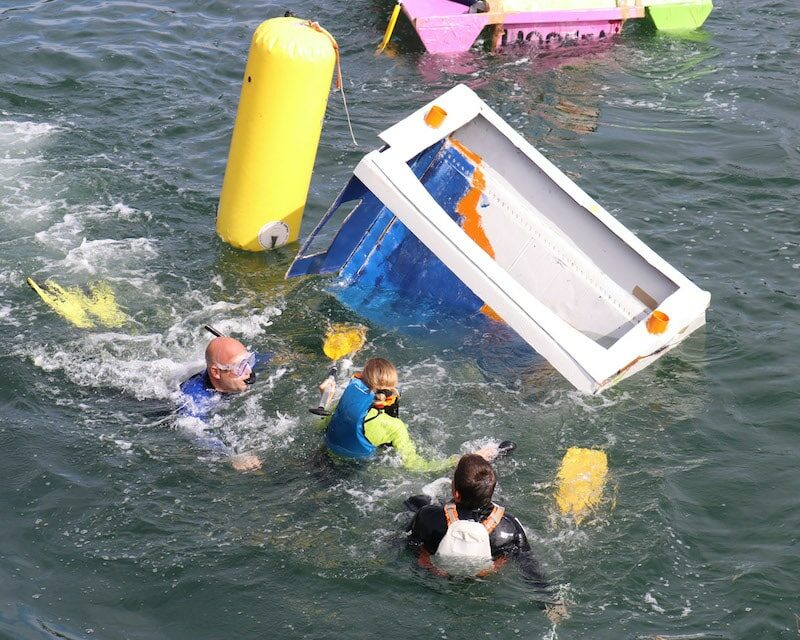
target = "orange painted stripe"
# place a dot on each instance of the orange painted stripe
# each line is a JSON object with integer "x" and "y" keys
{"x": 468, "y": 208}
{"x": 469, "y": 153}
{"x": 491, "y": 313}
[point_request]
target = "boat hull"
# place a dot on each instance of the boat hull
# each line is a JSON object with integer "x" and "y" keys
{"x": 444, "y": 26}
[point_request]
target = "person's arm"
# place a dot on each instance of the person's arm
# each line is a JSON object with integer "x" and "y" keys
{"x": 386, "y": 430}
{"x": 212, "y": 444}
{"x": 215, "y": 445}
{"x": 196, "y": 428}
{"x": 322, "y": 422}
{"x": 198, "y": 403}
{"x": 426, "y": 531}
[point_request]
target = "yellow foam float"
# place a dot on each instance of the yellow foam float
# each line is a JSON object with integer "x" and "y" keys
{"x": 580, "y": 482}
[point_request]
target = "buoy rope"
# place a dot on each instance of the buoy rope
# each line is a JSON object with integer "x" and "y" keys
{"x": 339, "y": 84}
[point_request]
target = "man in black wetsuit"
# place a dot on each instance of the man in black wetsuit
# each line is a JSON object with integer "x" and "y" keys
{"x": 473, "y": 486}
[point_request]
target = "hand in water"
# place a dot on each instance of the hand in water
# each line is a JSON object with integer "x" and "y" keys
{"x": 492, "y": 451}
{"x": 488, "y": 453}
{"x": 556, "y": 612}
{"x": 245, "y": 462}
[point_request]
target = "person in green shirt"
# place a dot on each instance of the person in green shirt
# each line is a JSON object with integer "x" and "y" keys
{"x": 366, "y": 417}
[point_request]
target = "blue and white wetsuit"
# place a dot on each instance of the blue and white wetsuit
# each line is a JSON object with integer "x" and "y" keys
{"x": 201, "y": 399}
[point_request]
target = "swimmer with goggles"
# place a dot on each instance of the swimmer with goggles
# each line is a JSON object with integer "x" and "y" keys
{"x": 240, "y": 367}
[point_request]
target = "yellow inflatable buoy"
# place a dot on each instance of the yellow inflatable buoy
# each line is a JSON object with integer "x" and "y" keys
{"x": 278, "y": 125}
{"x": 80, "y": 308}
{"x": 580, "y": 482}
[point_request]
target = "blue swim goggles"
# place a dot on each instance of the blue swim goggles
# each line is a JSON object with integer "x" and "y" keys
{"x": 238, "y": 368}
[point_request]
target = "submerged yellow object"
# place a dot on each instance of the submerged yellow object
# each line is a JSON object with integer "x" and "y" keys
{"x": 580, "y": 481}
{"x": 80, "y": 308}
{"x": 389, "y": 28}
{"x": 342, "y": 339}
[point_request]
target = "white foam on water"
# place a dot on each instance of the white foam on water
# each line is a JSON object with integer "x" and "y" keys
{"x": 650, "y": 599}
{"x": 29, "y": 209}
{"x": 68, "y": 233}
{"x": 122, "y": 211}
{"x": 197, "y": 309}
{"x": 438, "y": 490}
{"x": 24, "y": 136}
{"x": 10, "y": 277}
{"x": 100, "y": 257}
{"x": 200, "y": 431}
{"x": 28, "y": 186}
{"x": 6, "y": 317}
{"x": 250, "y": 326}
{"x": 597, "y": 403}
{"x": 151, "y": 365}
{"x": 62, "y": 235}
{"x": 425, "y": 372}
{"x": 566, "y": 535}
{"x": 479, "y": 443}
{"x": 124, "y": 445}
{"x": 277, "y": 432}
{"x": 97, "y": 362}
{"x": 374, "y": 498}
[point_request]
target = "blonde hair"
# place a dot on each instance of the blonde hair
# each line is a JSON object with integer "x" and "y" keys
{"x": 379, "y": 373}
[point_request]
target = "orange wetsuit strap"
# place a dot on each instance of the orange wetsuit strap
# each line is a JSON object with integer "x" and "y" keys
{"x": 494, "y": 518}
{"x": 451, "y": 513}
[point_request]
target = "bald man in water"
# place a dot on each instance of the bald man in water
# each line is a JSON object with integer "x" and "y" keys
{"x": 228, "y": 364}
{"x": 229, "y": 369}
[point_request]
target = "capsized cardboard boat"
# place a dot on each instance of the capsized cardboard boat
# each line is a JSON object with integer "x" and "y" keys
{"x": 459, "y": 210}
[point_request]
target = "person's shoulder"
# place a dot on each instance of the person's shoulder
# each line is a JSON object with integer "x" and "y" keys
{"x": 510, "y": 531}
{"x": 195, "y": 383}
{"x": 199, "y": 396}
{"x": 384, "y": 419}
{"x": 430, "y": 509}
{"x": 509, "y": 524}
{"x": 512, "y": 520}
{"x": 430, "y": 513}
{"x": 429, "y": 520}
{"x": 392, "y": 420}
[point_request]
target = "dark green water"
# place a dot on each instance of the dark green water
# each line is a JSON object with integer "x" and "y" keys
{"x": 115, "y": 120}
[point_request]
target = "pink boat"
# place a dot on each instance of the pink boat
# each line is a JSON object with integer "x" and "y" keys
{"x": 445, "y": 26}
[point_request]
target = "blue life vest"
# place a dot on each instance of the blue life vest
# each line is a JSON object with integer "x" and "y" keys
{"x": 345, "y": 434}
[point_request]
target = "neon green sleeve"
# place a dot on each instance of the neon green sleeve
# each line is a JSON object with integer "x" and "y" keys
{"x": 383, "y": 429}
{"x": 324, "y": 421}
